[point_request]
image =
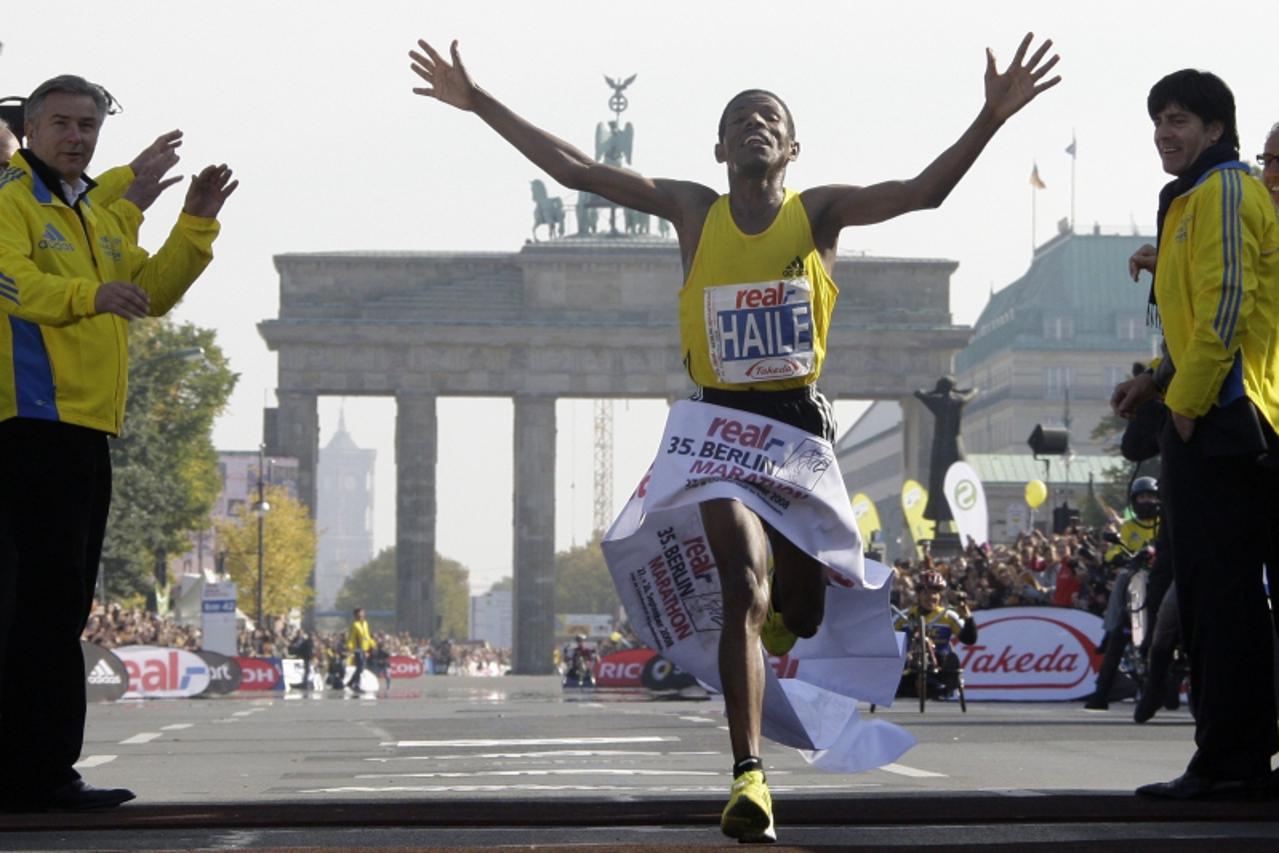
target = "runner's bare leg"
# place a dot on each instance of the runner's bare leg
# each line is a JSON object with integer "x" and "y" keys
{"x": 740, "y": 548}
{"x": 801, "y": 586}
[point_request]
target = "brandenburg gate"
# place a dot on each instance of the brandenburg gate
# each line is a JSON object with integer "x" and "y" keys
{"x": 590, "y": 315}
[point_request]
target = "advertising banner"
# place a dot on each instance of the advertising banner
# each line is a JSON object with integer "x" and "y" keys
{"x": 261, "y": 673}
{"x": 224, "y": 674}
{"x": 163, "y": 673}
{"x": 106, "y": 679}
{"x": 1031, "y": 654}
{"x": 967, "y": 501}
{"x": 666, "y": 576}
{"x": 403, "y": 666}
{"x": 597, "y": 626}
{"x": 623, "y": 669}
{"x": 867, "y": 517}
{"x": 914, "y": 499}
{"x": 217, "y": 606}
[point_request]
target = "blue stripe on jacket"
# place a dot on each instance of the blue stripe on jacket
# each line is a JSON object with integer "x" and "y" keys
{"x": 32, "y": 372}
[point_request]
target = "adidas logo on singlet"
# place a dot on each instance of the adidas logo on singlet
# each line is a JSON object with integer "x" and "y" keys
{"x": 795, "y": 269}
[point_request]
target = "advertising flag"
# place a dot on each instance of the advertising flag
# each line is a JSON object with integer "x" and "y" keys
{"x": 967, "y": 501}
{"x": 914, "y": 499}
{"x": 867, "y": 517}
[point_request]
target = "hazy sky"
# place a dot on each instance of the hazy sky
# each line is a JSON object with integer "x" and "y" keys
{"x": 310, "y": 103}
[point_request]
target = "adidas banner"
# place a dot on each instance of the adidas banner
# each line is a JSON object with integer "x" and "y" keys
{"x": 660, "y": 560}
{"x": 106, "y": 679}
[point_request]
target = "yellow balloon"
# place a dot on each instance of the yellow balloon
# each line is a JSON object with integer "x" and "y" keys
{"x": 1036, "y": 493}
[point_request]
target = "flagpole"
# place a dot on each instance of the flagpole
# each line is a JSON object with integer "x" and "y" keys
{"x": 1034, "y": 192}
{"x": 1073, "y": 155}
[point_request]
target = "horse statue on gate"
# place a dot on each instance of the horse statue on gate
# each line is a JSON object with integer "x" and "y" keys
{"x": 637, "y": 222}
{"x": 548, "y": 211}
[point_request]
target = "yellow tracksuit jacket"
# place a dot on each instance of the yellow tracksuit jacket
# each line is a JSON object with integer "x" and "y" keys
{"x": 1217, "y": 285}
{"x": 59, "y": 360}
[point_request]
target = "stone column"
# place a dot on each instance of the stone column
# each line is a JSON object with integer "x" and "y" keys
{"x": 416, "y": 432}
{"x": 917, "y": 439}
{"x": 298, "y": 436}
{"x": 534, "y": 519}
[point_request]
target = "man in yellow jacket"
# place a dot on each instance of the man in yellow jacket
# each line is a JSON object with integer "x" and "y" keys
{"x": 71, "y": 279}
{"x": 359, "y": 642}
{"x": 1216, "y": 293}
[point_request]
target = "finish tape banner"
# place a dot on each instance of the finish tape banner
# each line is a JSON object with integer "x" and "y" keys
{"x": 1031, "y": 654}
{"x": 661, "y": 563}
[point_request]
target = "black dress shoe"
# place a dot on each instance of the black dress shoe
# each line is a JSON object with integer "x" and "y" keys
{"x": 77, "y": 796}
{"x": 1192, "y": 786}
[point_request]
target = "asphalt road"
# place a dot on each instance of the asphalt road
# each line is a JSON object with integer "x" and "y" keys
{"x": 483, "y": 762}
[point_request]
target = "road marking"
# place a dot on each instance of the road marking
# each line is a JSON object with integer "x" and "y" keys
{"x": 244, "y": 713}
{"x": 697, "y": 719}
{"x": 680, "y": 752}
{"x": 535, "y": 787}
{"x": 144, "y": 737}
{"x": 913, "y": 772}
{"x": 574, "y": 771}
{"x": 93, "y": 761}
{"x": 550, "y": 753}
{"x": 176, "y": 727}
{"x": 528, "y": 741}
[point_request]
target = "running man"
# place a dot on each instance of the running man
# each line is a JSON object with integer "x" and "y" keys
{"x": 760, "y": 231}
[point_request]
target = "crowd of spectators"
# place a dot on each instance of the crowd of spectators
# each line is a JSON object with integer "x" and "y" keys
{"x": 1038, "y": 569}
{"x": 114, "y": 626}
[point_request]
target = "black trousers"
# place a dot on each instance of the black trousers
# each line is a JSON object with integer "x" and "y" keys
{"x": 55, "y": 489}
{"x": 1217, "y": 510}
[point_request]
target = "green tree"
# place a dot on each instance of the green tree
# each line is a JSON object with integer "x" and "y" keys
{"x": 288, "y": 552}
{"x": 373, "y": 587}
{"x": 165, "y": 466}
{"x": 582, "y": 581}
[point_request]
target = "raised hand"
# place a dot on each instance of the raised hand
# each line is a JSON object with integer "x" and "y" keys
{"x": 209, "y": 190}
{"x": 450, "y": 84}
{"x": 1143, "y": 259}
{"x": 149, "y": 168}
{"x": 1008, "y": 92}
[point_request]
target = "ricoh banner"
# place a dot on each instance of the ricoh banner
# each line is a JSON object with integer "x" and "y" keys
{"x": 1031, "y": 654}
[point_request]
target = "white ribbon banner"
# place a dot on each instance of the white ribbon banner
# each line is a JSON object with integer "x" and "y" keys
{"x": 660, "y": 560}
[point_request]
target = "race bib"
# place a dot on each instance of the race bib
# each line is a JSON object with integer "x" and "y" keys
{"x": 761, "y": 332}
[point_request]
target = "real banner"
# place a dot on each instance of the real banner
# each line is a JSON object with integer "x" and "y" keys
{"x": 661, "y": 562}
{"x": 967, "y": 501}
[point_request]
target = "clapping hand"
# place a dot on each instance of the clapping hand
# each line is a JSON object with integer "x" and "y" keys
{"x": 149, "y": 168}
{"x": 209, "y": 191}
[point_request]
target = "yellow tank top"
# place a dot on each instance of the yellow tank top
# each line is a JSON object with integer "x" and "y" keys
{"x": 755, "y": 308}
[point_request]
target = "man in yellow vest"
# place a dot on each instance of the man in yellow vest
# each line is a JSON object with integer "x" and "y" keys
{"x": 359, "y": 642}
{"x": 766, "y": 251}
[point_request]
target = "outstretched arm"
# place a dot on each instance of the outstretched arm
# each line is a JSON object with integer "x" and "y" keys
{"x": 450, "y": 83}
{"x": 837, "y": 207}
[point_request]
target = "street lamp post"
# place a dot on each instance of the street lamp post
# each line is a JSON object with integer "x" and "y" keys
{"x": 260, "y": 509}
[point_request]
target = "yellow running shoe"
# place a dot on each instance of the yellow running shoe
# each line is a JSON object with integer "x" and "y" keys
{"x": 748, "y": 817}
{"x": 776, "y": 637}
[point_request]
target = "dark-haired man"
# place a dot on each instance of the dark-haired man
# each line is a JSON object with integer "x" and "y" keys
{"x": 1216, "y": 294}
{"x": 71, "y": 278}
{"x": 760, "y": 232}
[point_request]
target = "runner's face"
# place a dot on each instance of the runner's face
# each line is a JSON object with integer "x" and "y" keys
{"x": 64, "y": 133}
{"x": 1181, "y": 136}
{"x": 1271, "y": 173}
{"x": 928, "y": 597}
{"x": 756, "y": 135}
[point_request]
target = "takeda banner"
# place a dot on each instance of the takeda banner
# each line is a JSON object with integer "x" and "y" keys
{"x": 1031, "y": 654}
{"x": 163, "y": 673}
{"x": 967, "y": 501}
